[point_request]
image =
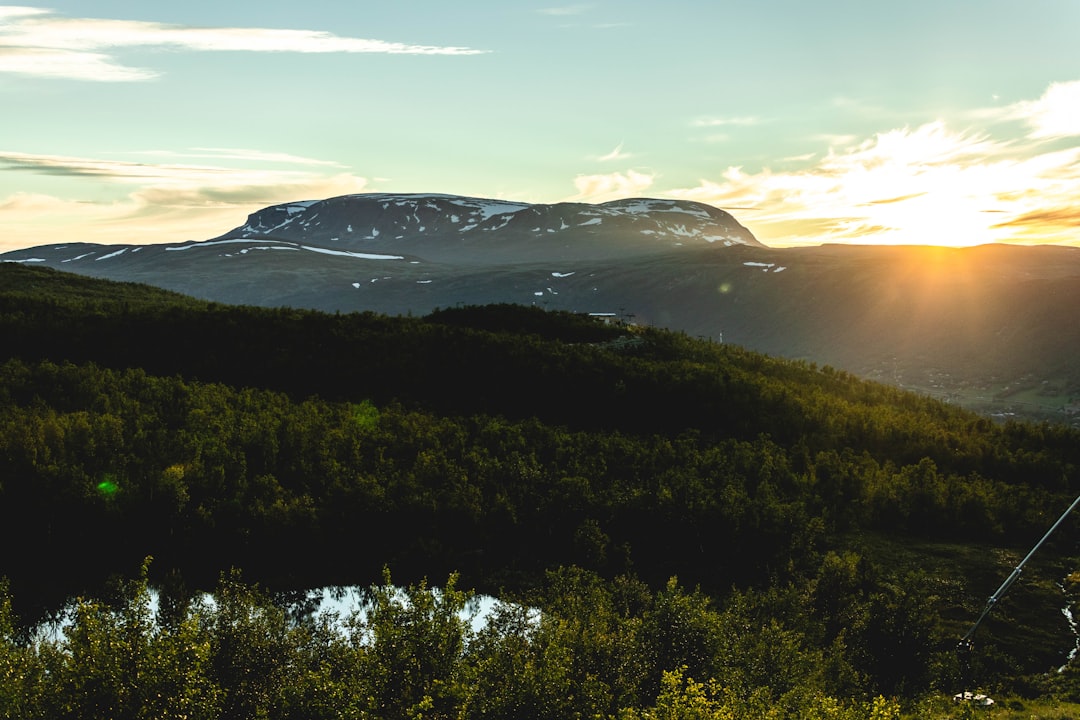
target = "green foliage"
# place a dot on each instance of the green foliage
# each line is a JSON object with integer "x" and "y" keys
{"x": 22, "y": 667}
{"x": 265, "y": 480}
{"x": 365, "y": 415}
{"x": 414, "y": 644}
{"x": 415, "y": 652}
{"x": 547, "y": 455}
{"x": 683, "y": 698}
{"x": 120, "y": 663}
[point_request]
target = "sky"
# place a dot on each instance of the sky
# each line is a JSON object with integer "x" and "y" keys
{"x": 940, "y": 122}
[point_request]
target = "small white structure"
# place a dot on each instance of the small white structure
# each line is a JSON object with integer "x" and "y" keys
{"x": 979, "y": 699}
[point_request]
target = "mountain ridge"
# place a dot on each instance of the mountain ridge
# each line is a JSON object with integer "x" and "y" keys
{"x": 987, "y": 326}
{"x": 442, "y": 228}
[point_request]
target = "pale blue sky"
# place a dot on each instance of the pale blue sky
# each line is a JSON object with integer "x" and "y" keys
{"x": 930, "y": 122}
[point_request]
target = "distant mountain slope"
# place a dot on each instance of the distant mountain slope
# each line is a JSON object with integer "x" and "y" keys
{"x": 407, "y": 253}
{"x": 990, "y": 327}
{"x": 455, "y": 229}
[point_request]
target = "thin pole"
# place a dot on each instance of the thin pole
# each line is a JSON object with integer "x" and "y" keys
{"x": 965, "y": 642}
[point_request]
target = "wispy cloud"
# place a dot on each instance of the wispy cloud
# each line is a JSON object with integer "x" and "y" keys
{"x": 158, "y": 202}
{"x": 611, "y": 186}
{"x": 902, "y": 198}
{"x": 833, "y": 140}
{"x": 928, "y": 184}
{"x": 1065, "y": 218}
{"x": 712, "y": 122}
{"x": 189, "y": 180}
{"x": 67, "y": 64}
{"x": 35, "y": 41}
{"x": 616, "y": 154}
{"x": 568, "y": 12}
{"x": 244, "y": 154}
{"x": 565, "y": 10}
{"x": 119, "y": 171}
{"x": 1054, "y": 115}
{"x": 716, "y": 124}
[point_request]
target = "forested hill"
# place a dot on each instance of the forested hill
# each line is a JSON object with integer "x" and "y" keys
{"x": 514, "y": 362}
{"x": 502, "y": 442}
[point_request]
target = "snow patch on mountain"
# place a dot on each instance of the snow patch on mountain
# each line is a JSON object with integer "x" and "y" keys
{"x": 648, "y": 206}
{"x": 245, "y": 251}
{"x": 276, "y": 245}
{"x": 766, "y": 267}
{"x": 346, "y": 253}
{"x": 210, "y": 243}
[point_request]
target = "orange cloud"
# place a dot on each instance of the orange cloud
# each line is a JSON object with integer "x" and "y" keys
{"x": 1065, "y": 218}
{"x": 611, "y": 186}
{"x": 924, "y": 185}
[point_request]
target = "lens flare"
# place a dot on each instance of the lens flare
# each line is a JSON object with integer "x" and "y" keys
{"x": 108, "y": 487}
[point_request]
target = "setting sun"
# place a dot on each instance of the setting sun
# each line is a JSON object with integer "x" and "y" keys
{"x": 927, "y": 186}
{"x": 915, "y": 124}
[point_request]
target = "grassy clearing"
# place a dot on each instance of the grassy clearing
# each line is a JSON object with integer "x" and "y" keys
{"x": 1025, "y": 629}
{"x": 1034, "y": 401}
{"x": 943, "y": 708}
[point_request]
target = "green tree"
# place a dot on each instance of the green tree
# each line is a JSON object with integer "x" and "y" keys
{"x": 413, "y": 642}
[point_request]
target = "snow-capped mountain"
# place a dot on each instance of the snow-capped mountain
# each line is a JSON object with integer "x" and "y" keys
{"x": 451, "y": 228}
{"x": 398, "y": 254}
{"x": 412, "y": 253}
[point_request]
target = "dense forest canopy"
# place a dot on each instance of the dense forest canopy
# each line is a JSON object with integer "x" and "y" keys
{"x": 649, "y": 492}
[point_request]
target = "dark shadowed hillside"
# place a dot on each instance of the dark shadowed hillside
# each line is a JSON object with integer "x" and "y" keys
{"x": 843, "y": 530}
